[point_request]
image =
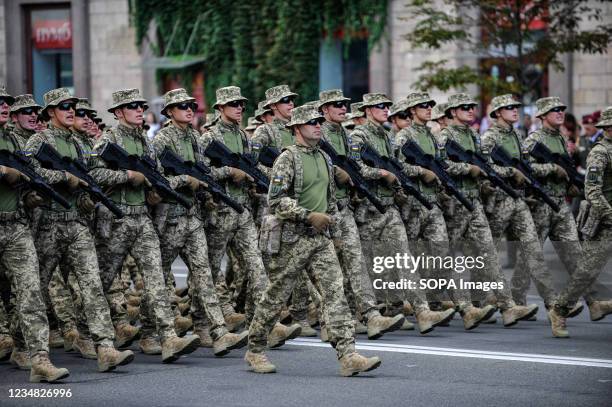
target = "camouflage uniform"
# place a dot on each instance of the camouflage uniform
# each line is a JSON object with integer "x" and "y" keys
{"x": 293, "y": 246}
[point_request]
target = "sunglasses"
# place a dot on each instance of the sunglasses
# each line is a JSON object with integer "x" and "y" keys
{"x": 29, "y": 110}
{"x": 467, "y": 108}
{"x": 236, "y": 103}
{"x": 4, "y": 100}
{"x": 426, "y": 105}
{"x": 381, "y": 106}
{"x": 186, "y": 105}
{"x": 286, "y": 99}
{"x": 339, "y": 104}
{"x": 80, "y": 113}
{"x": 136, "y": 105}
{"x": 314, "y": 122}
{"x": 557, "y": 109}
{"x": 510, "y": 107}
{"x": 65, "y": 106}
{"x": 403, "y": 115}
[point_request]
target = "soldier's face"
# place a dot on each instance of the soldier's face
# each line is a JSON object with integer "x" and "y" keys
{"x": 310, "y": 133}
{"x": 62, "y": 117}
{"x": 509, "y": 114}
{"x": 335, "y": 114}
{"x": 380, "y": 115}
{"x": 233, "y": 114}
{"x": 26, "y": 119}
{"x": 555, "y": 119}
{"x": 133, "y": 117}
{"x": 608, "y": 132}
{"x": 283, "y": 109}
{"x": 423, "y": 114}
{"x": 267, "y": 117}
{"x": 4, "y": 111}
{"x": 81, "y": 124}
{"x": 399, "y": 122}
{"x": 359, "y": 121}
{"x": 181, "y": 116}
{"x": 464, "y": 114}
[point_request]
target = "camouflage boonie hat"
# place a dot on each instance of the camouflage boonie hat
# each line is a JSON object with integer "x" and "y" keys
{"x": 355, "y": 112}
{"x": 459, "y": 99}
{"x": 275, "y": 94}
{"x": 124, "y": 96}
{"x": 23, "y": 102}
{"x": 176, "y": 96}
{"x": 54, "y": 97}
{"x": 371, "y": 99}
{"x": 261, "y": 110}
{"x": 4, "y": 94}
{"x": 83, "y": 104}
{"x": 502, "y": 101}
{"x": 417, "y": 98}
{"x": 316, "y": 103}
{"x": 303, "y": 114}
{"x": 545, "y": 105}
{"x": 438, "y": 111}
{"x": 333, "y": 95}
{"x": 252, "y": 123}
{"x": 228, "y": 94}
{"x": 211, "y": 119}
{"x": 606, "y": 118}
{"x": 397, "y": 107}
{"x": 348, "y": 124}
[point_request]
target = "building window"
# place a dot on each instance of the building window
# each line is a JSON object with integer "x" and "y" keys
{"x": 346, "y": 69}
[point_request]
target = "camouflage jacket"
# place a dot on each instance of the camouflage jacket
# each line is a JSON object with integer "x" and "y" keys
{"x": 21, "y": 135}
{"x": 598, "y": 184}
{"x": 271, "y": 134}
{"x": 501, "y": 135}
{"x": 545, "y": 136}
{"x": 86, "y": 141}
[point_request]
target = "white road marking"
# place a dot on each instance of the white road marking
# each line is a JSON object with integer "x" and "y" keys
{"x": 466, "y": 353}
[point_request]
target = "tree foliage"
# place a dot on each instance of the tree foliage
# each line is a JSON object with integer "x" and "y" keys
{"x": 523, "y": 37}
{"x": 259, "y": 43}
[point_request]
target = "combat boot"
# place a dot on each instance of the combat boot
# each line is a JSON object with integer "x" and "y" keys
{"x": 354, "y": 363}
{"x": 230, "y": 341}
{"x": 517, "y": 313}
{"x": 428, "y": 319}
{"x": 174, "y": 347}
{"x": 133, "y": 300}
{"x": 21, "y": 359}
{"x": 183, "y": 308}
{"x": 324, "y": 334}
{"x": 407, "y": 309}
{"x": 133, "y": 313}
{"x": 69, "y": 338}
{"x": 407, "y": 326}
{"x": 44, "y": 371}
{"x": 182, "y": 325}
{"x": 86, "y": 348}
{"x": 473, "y": 316}
{"x": 379, "y": 325}
{"x": 109, "y": 358}
{"x": 306, "y": 330}
{"x": 181, "y": 291}
{"x": 313, "y": 315}
{"x": 599, "y": 309}
{"x": 285, "y": 317}
{"x": 125, "y": 334}
{"x": 557, "y": 324}
{"x": 150, "y": 345}
{"x": 206, "y": 340}
{"x": 359, "y": 327}
{"x": 259, "y": 363}
{"x": 447, "y": 305}
{"x": 234, "y": 321}
{"x": 575, "y": 311}
{"x": 55, "y": 338}
{"x": 6, "y": 347}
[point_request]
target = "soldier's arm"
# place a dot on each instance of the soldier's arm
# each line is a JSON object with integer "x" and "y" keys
{"x": 51, "y": 176}
{"x": 262, "y": 137}
{"x": 176, "y": 181}
{"x": 104, "y": 176}
{"x": 280, "y": 200}
{"x": 488, "y": 142}
{"x": 539, "y": 170}
{"x": 454, "y": 168}
{"x": 400, "y": 139}
{"x": 367, "y": 172}
{"x": 597, "y": 162}
{"x": 219, "y": 174}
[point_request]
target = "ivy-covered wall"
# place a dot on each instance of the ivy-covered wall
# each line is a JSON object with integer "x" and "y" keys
{"x": 260, "y": 43}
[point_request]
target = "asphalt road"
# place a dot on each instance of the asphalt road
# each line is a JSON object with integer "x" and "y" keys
{"x": 492, "y": 365}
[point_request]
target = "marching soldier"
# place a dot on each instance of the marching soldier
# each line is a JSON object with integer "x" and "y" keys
{"x": 399, "y": 119}
{"x": 263, "y": 113}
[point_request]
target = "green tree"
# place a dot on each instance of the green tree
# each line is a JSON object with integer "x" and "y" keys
{"x": 522, "y": 37}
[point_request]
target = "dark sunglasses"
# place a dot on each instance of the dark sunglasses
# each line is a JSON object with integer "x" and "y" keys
{"x": 135, "y": 105}
{"x": 4, "y": 100}
{"x": 314, "y": 122}
{"x": 80, "y": 113}
{"x": 510, "y": 107}
{"x": 467, "y": 108}
{"x": 28, "y": 110}
{"x": 65, "y": 106}
{"x": 286, "y": 99}
{"x": 339, "y": 104}
{"x": 426, "y": 105}
{"x": 186, "y": 105}
{"x": 236, "y": 103}
{"x": 381, "y": 106}
{"x": 403, "y": 115}
{"x": 557, "y": 109}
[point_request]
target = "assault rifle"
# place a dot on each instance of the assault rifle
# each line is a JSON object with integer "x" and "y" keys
{"x": 221, "y": 156}
{"x": 267, "y": 155}
{"x": 543, "y": 155}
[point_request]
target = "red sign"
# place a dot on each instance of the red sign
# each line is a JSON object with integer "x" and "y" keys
{"x": 52, "y": 34}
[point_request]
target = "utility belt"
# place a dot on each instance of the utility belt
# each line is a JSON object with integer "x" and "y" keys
{"x": 133, "y": 209}
{"x": 176, "y": 210}
{"x": 65, "y": 216}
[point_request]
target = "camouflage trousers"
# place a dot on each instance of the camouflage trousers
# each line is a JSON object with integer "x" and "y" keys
{"x": 427, "y": 234}
{"x": 62, "y": 301}
{"x": 135, "y": 235}
{"x": 469, "y": 232}
{"x": 236, "y": 279}
{"x": 512, "y": 218}
{"x": 224, "y": 226}
{"x": 19, "y": 263}
{"x": 315, "y": 254}
{"x": 596, "y": 252}
{"x": 184, "y": 236}
{"x": 4, "y": 299}
{"x": 384, "y": 234}
{"x": 560, "y": 228}
{"x": 68, "y": 244}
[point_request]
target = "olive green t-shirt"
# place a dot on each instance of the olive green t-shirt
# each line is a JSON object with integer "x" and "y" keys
{"x": 134, "y": 196}
{"x": 9, "y": 196}
{"x": 315, "y": 183}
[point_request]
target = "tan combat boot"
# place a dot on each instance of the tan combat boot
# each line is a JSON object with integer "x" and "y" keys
{"x": 313, "y": 315}
{"x": 324, "y": 334}
{"x": 428, "y": 319}
{"x": 125, "y": 334}
{"x": 44, "y": 371}
{"x": 473, "y": 316}
{"x": 230, "y": 341}
{"x": 359, "y": 327}
{"x": 259, "y": 363}
{"x": 234, "y": 321}
{"x": 69, "y": 338}
{"x": 133, "y": 312}
{"x": 558, "y": 324}
{"x": 183, "y": 308}
{"x": 21, "y": 359}
{"x": 133, "y": 300}
{"x": 281, "y": 333}
{"x": 150, "y": 346}
{"x": 55, "y": 339}
{"x": 575, "y": 311}
{"x": 354, "y": 363}
{"x": 447, "y": 305}
{"x": 407, "y": 309}
{"x": 86, "y": 348}
{"x": 599, "y": 309}
{"x": 407, "y": 326}
{"x": 6, "y": 347}
{"x": 182, "y": 325}
{"x": 109, "y": 358}
{"x": 517, "y": 313}
{"x": 306, "y": 330}
{"x": 285, "y": 317}
{"x": 379, "y": 325}
{"x": 174, "y": 347}
{"x": 206, "y": 341}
